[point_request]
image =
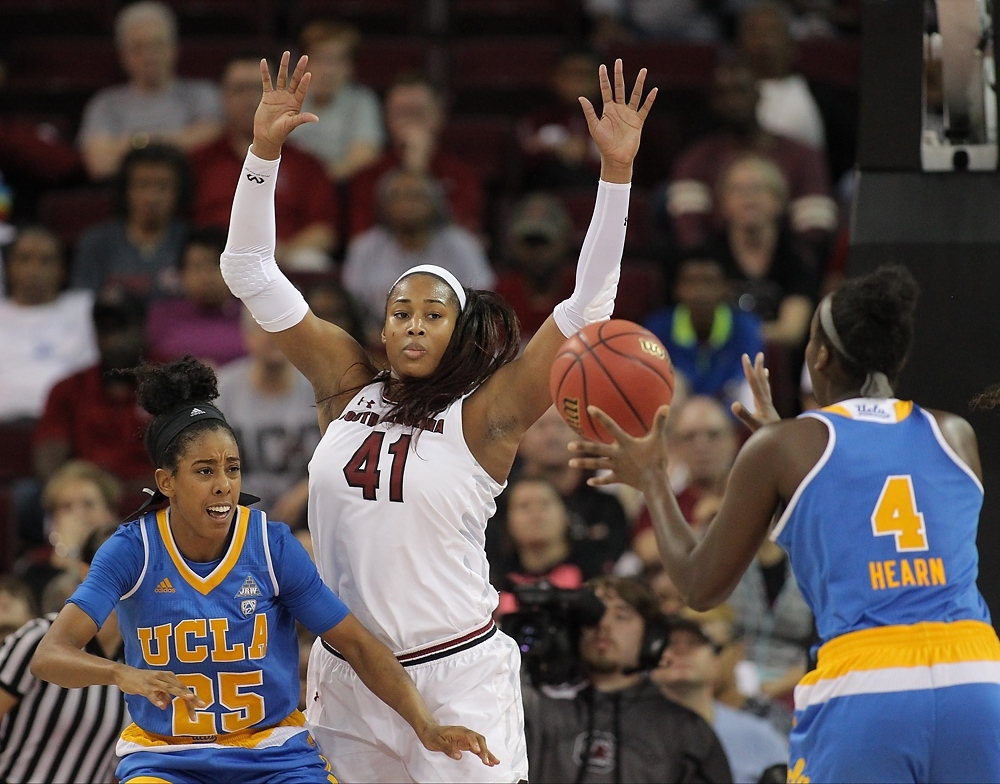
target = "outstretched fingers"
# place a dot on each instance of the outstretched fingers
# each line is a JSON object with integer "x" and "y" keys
{"x": 589, "y": 114}
{"x": 619, "y": 82}
{"x": 609, "y": 424}
{"x": 640, "y": 80}
{"x": 647, "y": 104}
{"x": 282, "y": 81}
{"x": 265, "y": 76}
{"x": 298, "y": 74}
{"x": 606, "y": 95}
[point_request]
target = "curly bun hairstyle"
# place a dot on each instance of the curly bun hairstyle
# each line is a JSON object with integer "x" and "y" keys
{"x": 873, "y": 315}
{"x": 165, "y": 389}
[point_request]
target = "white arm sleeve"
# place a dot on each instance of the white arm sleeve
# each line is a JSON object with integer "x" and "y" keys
{"x": 597, "y": 272}
{"x": 248, "y": 264}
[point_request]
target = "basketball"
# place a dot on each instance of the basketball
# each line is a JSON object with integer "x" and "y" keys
{"x": 618, "y": 366}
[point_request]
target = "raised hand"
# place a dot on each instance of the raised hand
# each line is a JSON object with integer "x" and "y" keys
{"x": 631, "y": 461}
{"x": 280, "y": 110}
{"x": 616, "y": 132}
{"x": 758, "y": 377}
{"x": 453, "y": 740}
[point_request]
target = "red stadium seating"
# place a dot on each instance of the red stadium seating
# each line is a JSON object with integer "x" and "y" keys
{"x": 670, "y": 65}
{"x": 381, "y": 59}
{"x": 518, "y": 17}
{"x": 501, "y": 75}
{"x": 836, "y": 61}
{"x": 20, "y": 18}
{"x": 63, "y": 65}
{"x": 222, "y": 17}
{"x": 70, "y": 212}
{"x": 204, "y": 58}
{"x": 370, "y": 16}
{"x": 15, "y": 450}
{"x": 487, "y": 143}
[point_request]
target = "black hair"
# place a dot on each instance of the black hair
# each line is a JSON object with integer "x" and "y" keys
{"x": 115, "y": 309}
{"x": 94, "y": 541}
{"x": 697, "y": 254}
{"x": 167, "y": 154}
{"x": 204, "y": 237}
{"x": 487, "y": 336}
{"x": 873, "y": 315}
{"x": 28, "y": 229}
{"x": 164, "y": 389}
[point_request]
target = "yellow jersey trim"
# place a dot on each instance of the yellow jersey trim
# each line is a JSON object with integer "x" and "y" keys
{"x": 245, "y": 739}
{"x": 204, "y": 585}
{"x": 901, "y": 409}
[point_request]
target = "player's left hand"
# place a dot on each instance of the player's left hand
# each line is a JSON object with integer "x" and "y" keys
{"x": 759, "y": 379}
{"x": 453, "y": 740}
{"x": 616, "y": 132}
{"x": 628, "y": 460}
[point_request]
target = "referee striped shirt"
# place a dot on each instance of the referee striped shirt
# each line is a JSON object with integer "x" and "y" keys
{"x": 55, "y": 734}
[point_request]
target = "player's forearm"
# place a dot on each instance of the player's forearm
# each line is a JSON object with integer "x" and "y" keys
{"x": 71, "y": 668}
{"x": 674, "y": 537}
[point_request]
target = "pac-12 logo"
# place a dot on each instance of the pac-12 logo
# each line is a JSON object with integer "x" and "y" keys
{"x": 248, "y": 606}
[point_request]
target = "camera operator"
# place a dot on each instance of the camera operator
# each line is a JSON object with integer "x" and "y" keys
{"x": 615, "y": 725}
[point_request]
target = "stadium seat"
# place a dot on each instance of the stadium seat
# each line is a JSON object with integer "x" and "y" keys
{"x": 836, "y": 61}
{"x": 70, "y": 212}
{"x": 15, "y": 450}
{"x": 487, "y": 143}
{"x": 21, "y": 18}
{"x": 514, "y": 17}
{"x": 64, "y": 65}
{"x": 379, "y": 17}
{"x": 501, "y": 75}
{"x": 380, "y": 59}
{"x": 671, "y": 66}
{"x": 222, "y": 17}
{"x": 204, "y": 58}
{"x": 640, "y": 290}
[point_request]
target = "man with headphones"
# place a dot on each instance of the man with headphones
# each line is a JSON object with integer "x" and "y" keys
{"x": 615, "y": 725}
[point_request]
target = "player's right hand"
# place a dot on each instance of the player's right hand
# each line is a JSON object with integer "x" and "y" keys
{"x": 628, "y": 460}
{"x": 280, "y": 109}
{"x": 157, "y": 686}
{"x": 453, "y": 740}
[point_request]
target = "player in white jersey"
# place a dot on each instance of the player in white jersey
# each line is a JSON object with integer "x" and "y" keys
{"x": 412, "y": 459}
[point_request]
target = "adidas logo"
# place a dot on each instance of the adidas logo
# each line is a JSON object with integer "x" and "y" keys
{"x": 164, "y": 587}
{"x": 196, "y": 411}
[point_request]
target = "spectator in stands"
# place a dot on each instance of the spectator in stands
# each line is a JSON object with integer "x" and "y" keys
{"x": 599, "y": 527}
{"x": 48, "y": 333}
{"x": 615, "y": 725}
{"x": 540, "y": 272}
{"x": 777, "y": 622}
{"x": 537, "y": 524}
{"x": 414, "y": 228}
{"x": 93, "y": 415}
{"x": 53, "y": 734}
{"x": 305, "y": 205}
{"x": 687, "y": 674}
{"x": 706, "y": 445}
{"x": 17, "y": 605}
{"x": 349, "y": 135}
{"x": 617, "y": 21}
{"x": 690, "y": 196}
{"x": 154, "y": 105}
{"x": 771, "y": 274}
{"x": 810, "y": 112}
{"x": 205, "y": 322}
{"x": 705, "y": 337}
{"x": 722, "y": 625}
{"x": 78, "y": 499}
{"x": 272, "y": 409}
{"x": 556, "y": 147}
{"x": 139, "y": 250}
{"x": 414, "y": 118}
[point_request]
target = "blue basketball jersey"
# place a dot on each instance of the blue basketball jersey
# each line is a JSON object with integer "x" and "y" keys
{"x": 882, "y": 531}
{"x": 222, "y": 631}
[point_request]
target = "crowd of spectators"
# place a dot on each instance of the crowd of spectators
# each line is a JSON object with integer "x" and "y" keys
{"x": 736, "y": 214}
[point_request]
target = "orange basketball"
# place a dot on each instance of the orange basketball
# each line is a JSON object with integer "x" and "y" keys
{"x": 620, "y": 367}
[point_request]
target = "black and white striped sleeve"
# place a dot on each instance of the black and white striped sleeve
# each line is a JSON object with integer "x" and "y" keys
{"x": 15, "y": 656}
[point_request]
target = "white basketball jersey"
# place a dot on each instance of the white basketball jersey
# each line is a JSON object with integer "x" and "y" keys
{"x": 398, "y": 521}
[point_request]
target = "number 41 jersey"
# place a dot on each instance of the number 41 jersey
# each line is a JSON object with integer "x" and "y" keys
{"x": 398, "y": 521}
{"x": 882, "y": 531}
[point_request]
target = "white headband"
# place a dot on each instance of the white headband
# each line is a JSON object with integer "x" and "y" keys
{"x": 876, "y": 383}
{"x": 441, "y": 272}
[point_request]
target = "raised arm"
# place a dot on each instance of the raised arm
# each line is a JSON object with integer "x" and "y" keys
{"x": 519, "y": 393}
{"x": 325, "y": 354}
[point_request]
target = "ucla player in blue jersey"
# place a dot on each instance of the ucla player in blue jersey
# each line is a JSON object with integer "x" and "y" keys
{"x": 878, "y": 505}
{"x": 207, "y": 593}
